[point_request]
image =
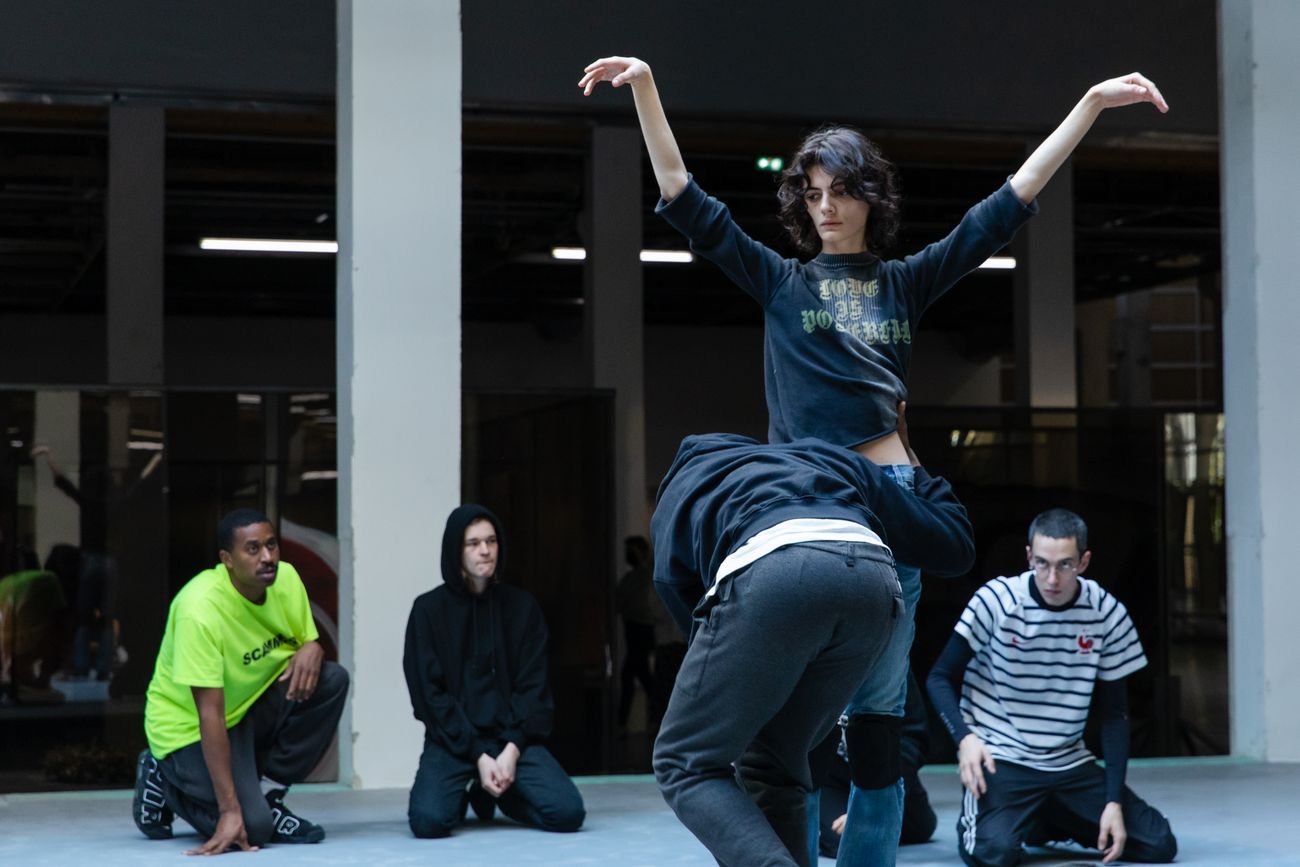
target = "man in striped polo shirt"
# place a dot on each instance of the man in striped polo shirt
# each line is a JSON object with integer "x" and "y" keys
{"x": 1029, "y": 656}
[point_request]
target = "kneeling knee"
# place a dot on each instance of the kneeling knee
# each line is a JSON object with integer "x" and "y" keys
{"x": 565, "y": 820}
{"x": 333, "y": 677}
{"x": 427, "y": 827}
{"x": 919, "y": 824}
{"x": 873, "y": 740}
{"x": 1164, "y": 849}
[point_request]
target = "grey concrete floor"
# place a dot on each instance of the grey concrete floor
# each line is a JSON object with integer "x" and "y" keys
{"x": 1224, "y": 812}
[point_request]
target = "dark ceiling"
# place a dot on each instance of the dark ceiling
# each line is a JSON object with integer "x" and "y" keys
{"x": 1146, "y": 213}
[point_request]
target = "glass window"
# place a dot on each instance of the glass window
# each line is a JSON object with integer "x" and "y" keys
{"x": 109, "y": 502}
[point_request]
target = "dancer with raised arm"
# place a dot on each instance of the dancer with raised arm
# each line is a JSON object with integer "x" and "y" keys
{"x": 838, "y": 327}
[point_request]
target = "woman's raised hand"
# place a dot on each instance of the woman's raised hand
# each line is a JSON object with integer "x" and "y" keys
{"x": 1130, "y": 90}
{"x": 616, "y": 70}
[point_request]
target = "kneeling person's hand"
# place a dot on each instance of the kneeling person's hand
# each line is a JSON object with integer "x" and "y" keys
{"x": 507, "y": 764}
{"x": 489, "y": 776}
{"x": 303, "y": 671}
{"x": 973, "y": 759}
{"x": 1113, "y": 834}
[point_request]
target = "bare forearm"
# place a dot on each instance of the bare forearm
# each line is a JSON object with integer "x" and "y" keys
{"x": 665, "y": 156}
{"x": 1049, "y": 156}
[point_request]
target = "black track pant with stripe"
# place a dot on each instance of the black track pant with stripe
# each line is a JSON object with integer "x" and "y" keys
{"x": 1024, "y": 805}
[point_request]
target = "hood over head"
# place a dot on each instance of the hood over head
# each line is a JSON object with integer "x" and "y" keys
{"x": 453, "y": 540}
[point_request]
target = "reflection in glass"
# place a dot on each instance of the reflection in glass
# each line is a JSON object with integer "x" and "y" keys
{"x": 108, "y": 501}
{"x": 1196, "y": 572}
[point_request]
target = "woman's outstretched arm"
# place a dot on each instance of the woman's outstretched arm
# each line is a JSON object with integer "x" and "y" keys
{"x": 1029, "y": 181}
{"x": 665, "y": 157}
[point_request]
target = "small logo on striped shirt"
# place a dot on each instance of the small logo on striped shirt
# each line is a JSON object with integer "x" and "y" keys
{"x": 1085, "y": 643}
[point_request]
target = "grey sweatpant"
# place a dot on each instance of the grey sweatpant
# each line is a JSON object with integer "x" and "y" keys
{"x": 774, "y": 657}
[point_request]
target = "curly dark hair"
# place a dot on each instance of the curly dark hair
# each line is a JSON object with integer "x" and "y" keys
{"x": 850, "y": 157}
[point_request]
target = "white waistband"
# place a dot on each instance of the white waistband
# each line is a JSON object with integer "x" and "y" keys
{"x": 792, "y": 532}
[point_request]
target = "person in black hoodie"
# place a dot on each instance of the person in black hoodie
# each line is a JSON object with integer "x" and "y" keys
{"x": 779, "y": 562}
{"x": 475, "y": 665}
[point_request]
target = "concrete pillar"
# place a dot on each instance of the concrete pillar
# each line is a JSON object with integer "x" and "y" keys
{"x": 1132, "y": 348}
{"x": 399, "y": 193}
{"x": 57, "y": 425}
{"x": 1044, "y": 299}
{"x": 134, "y": 248}
{"x": 134, "y": 342}
{"x": 1260, "y": 77}
{"x": 1095, "y": 321}
{"x": 614, "y": 317}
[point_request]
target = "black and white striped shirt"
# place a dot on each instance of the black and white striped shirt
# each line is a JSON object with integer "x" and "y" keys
{"x": 1026, "y": 692}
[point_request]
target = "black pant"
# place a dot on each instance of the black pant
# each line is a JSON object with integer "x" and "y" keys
{"x": 640, "y": 640}
{"x": 1026, "y": 805}
{"x": 277, "y": 738}
{"x": 542, "y": 795}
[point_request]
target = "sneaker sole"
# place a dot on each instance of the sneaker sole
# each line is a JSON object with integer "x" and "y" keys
{"x": 154, "y": 829}
{"x": 314, "y": 836}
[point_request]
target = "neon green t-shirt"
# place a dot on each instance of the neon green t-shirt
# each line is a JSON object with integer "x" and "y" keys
{"x": 216, "y": 637}
{"x": 30, "y": 603}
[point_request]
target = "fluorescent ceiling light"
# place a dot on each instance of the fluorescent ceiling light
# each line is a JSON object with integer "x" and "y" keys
{"x": 319, "y": 475}
{"x": 677, "y": 257}
{"x": 999, "y": 263}
{"x": 578, "y": 254}
{"x": 268, "y": 245}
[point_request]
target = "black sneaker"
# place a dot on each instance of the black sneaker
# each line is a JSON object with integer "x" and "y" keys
{"x": 149, "y": 806}
{"x": 288, "y": 828}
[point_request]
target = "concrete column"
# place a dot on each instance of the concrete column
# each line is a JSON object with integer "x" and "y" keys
{"x": 614, "y": 317}
{"x": 1132, "y": 348}
{"x": 1095, "y": 321}
{"x": 1044, "y": 300}
{"x": 399, "y": 396}
{"x": 57, "y": 425}
{"x": 134, "y": 256}
{"x": 273, "y": 416}
{"x": 1260, "y": 77}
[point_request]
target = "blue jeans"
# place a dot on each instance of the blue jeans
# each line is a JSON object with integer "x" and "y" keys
{"x": 875, "y": 816}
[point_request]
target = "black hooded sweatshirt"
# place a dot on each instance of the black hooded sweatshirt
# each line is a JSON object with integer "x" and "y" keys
{"x": 724, "y": 488}
{"x": 476, "y": 665}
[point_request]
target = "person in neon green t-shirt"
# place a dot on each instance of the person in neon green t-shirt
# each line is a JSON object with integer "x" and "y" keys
{"x": 241, "y": 703}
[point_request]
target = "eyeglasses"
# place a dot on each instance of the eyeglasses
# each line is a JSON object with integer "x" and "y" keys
{"x": 1065, "y": 567}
